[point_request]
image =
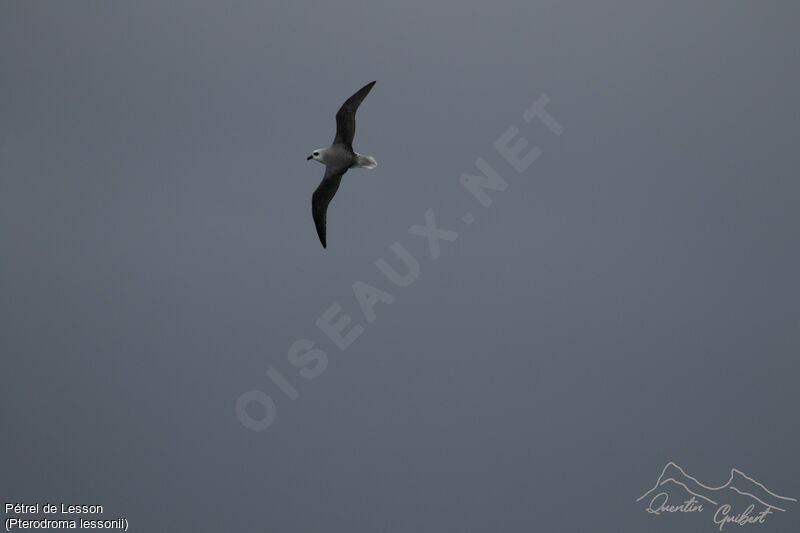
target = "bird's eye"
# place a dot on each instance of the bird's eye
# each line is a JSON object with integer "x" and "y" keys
{"x": 316, "y": 153}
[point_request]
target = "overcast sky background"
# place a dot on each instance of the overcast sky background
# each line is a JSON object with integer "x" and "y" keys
{"x": 630, "y": 299}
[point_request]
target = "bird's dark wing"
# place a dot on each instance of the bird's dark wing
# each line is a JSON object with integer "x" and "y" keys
{"x": 320, "y": 200}
{"x": 346, "y": 117}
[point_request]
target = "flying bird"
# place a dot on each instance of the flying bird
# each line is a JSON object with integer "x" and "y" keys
{"x": 338, "y": 158}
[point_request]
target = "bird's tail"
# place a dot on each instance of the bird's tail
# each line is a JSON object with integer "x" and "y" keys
{"x": 365, "y": 161}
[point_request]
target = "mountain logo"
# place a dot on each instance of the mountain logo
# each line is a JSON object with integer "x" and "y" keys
{"x": 741, "y": 500}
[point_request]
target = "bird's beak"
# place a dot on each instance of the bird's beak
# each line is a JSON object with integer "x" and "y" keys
{"x": 309, "y": 158}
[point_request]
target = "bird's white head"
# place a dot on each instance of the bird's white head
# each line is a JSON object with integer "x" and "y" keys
{"x": 317, "y": 155}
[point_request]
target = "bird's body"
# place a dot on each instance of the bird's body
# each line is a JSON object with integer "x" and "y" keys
{"x": 338, "y": 158}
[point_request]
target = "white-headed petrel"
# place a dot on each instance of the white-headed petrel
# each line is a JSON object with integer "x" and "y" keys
{"x": 338, "y": 158}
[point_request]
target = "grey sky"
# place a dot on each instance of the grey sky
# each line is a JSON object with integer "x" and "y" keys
{"x": 630, "y": 299}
